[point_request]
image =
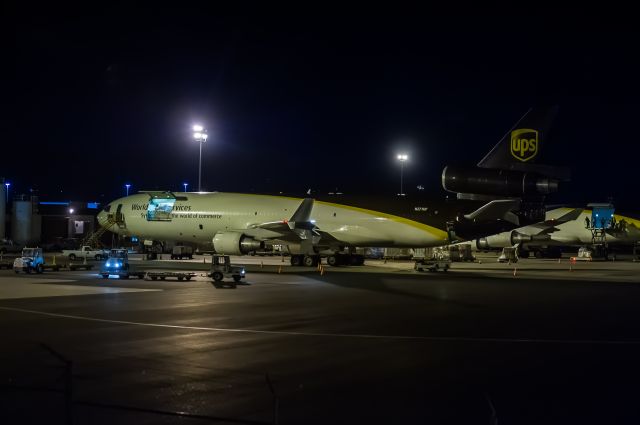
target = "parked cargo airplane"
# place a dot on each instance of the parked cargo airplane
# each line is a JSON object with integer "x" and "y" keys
{"x": 598, "y": 227}
{"x": 242, "y": 223}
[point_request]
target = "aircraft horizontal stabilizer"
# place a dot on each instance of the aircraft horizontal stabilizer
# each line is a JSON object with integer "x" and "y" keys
{"x": 500, "y": 209}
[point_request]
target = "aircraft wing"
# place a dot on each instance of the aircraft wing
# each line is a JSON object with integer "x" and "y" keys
{"x": 299, "y": 227}
{"x": 549, "y": 226}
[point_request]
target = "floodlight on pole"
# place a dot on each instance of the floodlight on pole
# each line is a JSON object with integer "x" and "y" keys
{"x": 200, "y": 135}
{"x": 185, "y": 186}
{"x": 7, "y": 185}
{"x": 127, "y": 186}
{"x": 403, "y": 157}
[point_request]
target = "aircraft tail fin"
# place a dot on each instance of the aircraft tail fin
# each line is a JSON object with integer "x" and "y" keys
{"x": 520, "y": 148}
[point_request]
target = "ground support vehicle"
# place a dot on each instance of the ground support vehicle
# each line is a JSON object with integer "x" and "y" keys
{"x": 80, "y": 266}
{"x": 179, "y": 252}
{"x": 509, "y": 255}
{"x": 54, "y": 267}
{"x": 118, "y": 264}
{"x": 7, "y": 245}
{"x": 85, "y": 252}
{"x": 222, "y": 268}
{"x": 584, "y": 254}
{"x": 432, "y": 265}
{"x": 175, "y": 275}
{"x": 31, "y": 260}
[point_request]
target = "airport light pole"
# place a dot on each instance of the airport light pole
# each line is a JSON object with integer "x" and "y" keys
{"x": 7, "y": 185}
{"x": 200, "y": 135}
{"x": 185, "y": 186}
{"x": 403, "y": 157}
{"x": 127, "y": 186}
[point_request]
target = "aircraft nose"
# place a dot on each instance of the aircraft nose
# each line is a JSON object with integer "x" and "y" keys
{"x": 102, "y": 218}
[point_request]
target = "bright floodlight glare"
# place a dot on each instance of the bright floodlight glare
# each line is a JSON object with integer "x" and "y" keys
{"x": 70, "y": 210}
{"x": 204, "y": 136}
{"x": 198, "y": 128}
{"x": 403, "y": 157}
{"x": 197, "y": 135}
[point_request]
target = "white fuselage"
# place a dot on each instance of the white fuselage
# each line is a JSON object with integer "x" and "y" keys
{"x": 570, "y": 233}
{"x": 197, "y": 217}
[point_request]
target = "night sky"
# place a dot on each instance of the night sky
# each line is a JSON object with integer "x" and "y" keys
{"x": 310, "y": 102}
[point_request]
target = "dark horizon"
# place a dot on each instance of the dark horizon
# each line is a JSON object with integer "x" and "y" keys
{"x": 317, "y": 104}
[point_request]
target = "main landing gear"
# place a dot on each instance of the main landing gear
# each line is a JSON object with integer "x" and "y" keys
{"x": 332, "y": 260}
{"x": 305, "y": 260}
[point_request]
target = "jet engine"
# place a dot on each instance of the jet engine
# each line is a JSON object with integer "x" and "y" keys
{"x": 512, "y": 238}
{"x": 484, "y": 181}
{"x": 234, "y": 243}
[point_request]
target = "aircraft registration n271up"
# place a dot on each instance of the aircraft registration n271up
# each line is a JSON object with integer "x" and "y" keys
{"x": 238, "y": 224}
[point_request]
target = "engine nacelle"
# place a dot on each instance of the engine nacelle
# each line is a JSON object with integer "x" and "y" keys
{"x": 505, "y": 239}
{"x": 485, "y": 181}
{"x": 234, "y": 243}
{"x": 500, "y": 240}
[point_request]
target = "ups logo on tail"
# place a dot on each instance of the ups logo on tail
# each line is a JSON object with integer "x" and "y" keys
{"x": 524, "y": 144}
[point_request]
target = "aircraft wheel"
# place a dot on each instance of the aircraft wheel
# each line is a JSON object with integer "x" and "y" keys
{"x": 217, "y": 276}
{"x": 72, "y": 257}
{"x": 296, "y": 260}
{"x": 332, "y": 260}
{"x": 309, "y": 261}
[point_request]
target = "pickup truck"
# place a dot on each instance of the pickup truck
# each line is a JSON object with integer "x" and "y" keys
{"x": 85, "y": 252}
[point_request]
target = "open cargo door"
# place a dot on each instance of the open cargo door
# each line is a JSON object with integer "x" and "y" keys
{"x": 160, "y": 206}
